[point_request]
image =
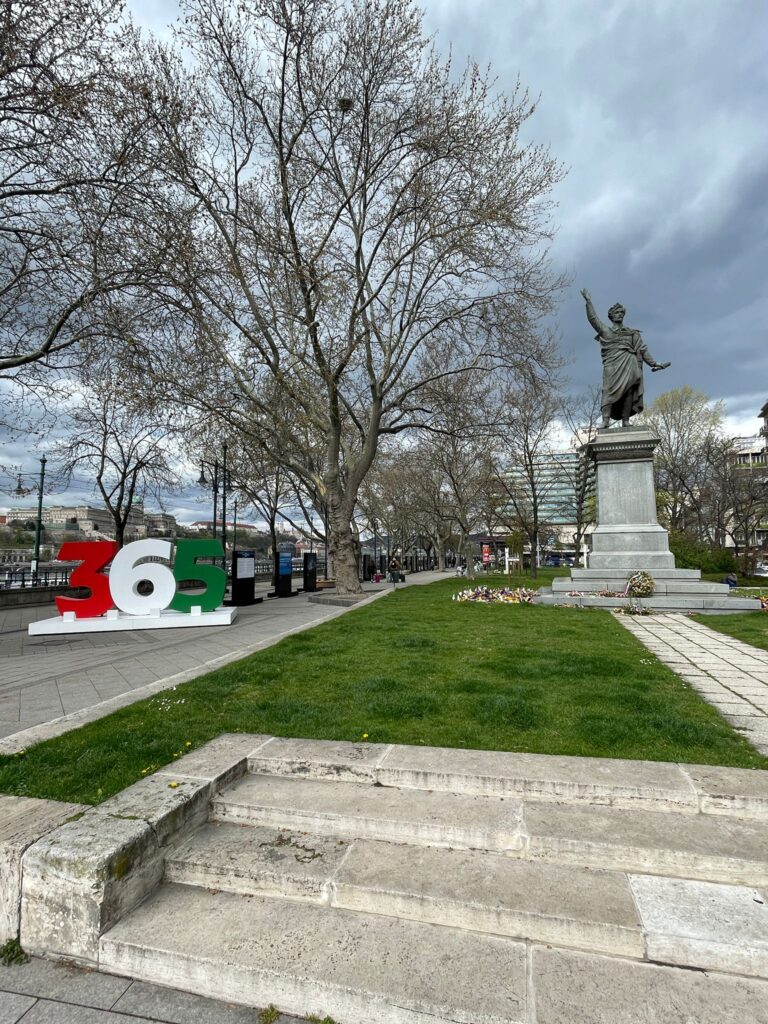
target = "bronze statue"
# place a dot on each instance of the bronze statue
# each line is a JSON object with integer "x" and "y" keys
{"x": 623, "y": 351}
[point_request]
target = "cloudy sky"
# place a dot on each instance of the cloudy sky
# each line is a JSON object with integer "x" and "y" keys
{"x": 657, "y": 109}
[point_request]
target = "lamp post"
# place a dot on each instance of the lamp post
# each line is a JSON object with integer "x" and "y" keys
{"x": 202, "y": 482}
{"x": 224, "y": 503}
{"x": 39, "y": 521}
{"x": 375, "y": 526}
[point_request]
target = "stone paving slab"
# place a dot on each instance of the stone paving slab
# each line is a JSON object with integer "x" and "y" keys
{"x": 578, "y": 988}
{"x": 63, "y": 983}
{"x": 258, "y": 861}
{"x": 486, "y": 892}
{"x": 554, "y": 777}
{"x": 13, "y": 1007}
{"x": 701, "y": 924}
{"x": 690, "y": 846}
{"x": 61, "y": 993}
{"x": 651, "y": 785}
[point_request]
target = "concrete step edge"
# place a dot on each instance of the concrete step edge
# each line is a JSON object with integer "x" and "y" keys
{"x": 593, "y": 837}
{"x": 360, "y": 966}
{"x": 708, "y": 789}
{"x": 306, "y": 960}
{"x": 572, "y": 907}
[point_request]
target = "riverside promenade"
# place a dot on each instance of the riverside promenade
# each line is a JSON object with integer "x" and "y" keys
{"x": 50, "y": 684}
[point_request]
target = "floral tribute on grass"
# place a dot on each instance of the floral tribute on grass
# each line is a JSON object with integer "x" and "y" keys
{"x": 496, "y": 595}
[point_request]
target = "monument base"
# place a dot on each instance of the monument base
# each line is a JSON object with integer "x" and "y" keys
{"x": 628, "y": 534}
{"x": 628, "y": 537}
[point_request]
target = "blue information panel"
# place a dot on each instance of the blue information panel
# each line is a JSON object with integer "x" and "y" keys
{"x": 286, "y": 563}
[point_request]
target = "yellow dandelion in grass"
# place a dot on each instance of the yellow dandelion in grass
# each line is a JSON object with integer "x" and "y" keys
{"x": 365, "y": 735}
{"x": 188, "y": 743}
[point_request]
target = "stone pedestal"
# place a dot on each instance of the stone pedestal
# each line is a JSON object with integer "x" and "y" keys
{"x": 628, "y": 537}
{"x": 628, "y": 534}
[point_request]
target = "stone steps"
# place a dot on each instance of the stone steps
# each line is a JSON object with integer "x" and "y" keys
{"x": 472, "y": 889}
{"x": 406, "y": 885}
{"x": 668, "y": 843}
{"x": 591, "y": 586}
{"x": 311, "y": 960}
{"x": 357, "y": 967}
{"x": 670, "y": 602}
{"x": 678, "y": 921}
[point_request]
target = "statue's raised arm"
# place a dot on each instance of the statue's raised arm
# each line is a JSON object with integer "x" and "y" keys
{"x": 602, "y": 329}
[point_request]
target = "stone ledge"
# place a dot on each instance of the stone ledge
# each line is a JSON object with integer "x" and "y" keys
{"x": 653, "y": 785}
{"x": 23, "y": 821}
{"x": 82, "y": 877}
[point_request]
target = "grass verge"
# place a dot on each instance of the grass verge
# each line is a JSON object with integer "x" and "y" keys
{"x": 418, "y": 668}
{"x": 751, "y": 627}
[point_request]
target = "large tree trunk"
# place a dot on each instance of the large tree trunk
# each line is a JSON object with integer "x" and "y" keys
{"x": 533, "y": 539}
{"x": 441, "y": 557}
{"x": 344, "y": 553}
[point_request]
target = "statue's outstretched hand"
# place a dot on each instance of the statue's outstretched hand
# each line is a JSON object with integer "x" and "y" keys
{"x": 660, "y": 366}
{"x": 586, "y": 295}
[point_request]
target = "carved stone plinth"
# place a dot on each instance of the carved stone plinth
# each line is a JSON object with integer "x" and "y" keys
{"x": 628, "y": 534}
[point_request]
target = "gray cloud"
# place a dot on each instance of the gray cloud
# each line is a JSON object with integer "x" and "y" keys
{"x": 657, "y": 108}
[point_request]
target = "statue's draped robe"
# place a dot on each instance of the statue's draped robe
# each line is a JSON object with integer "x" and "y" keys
{"x": 624, "y": 353}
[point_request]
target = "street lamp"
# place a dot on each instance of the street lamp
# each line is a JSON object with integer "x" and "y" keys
{"x": 19, "y": 492}
{"x": 203, "y": 482}
{"x": 375, "y": 526}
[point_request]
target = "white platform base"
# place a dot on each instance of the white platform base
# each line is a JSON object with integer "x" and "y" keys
{"x": 115, "y": 620}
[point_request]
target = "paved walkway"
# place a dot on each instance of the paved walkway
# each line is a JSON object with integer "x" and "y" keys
{"x": 68, "y": 680}
{"x": 729, "y": 674}
{"x": 43, "y": 992}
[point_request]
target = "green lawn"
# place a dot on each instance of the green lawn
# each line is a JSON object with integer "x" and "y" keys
{"x": 417, "y": 668}
{"x": 751, "y": 627}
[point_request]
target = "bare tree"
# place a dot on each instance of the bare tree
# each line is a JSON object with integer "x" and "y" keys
{"x": 69, "y": 252}
{"x": 126, "y": 453}
{"x": 353, "y": 222}
{"x": 690, "y": 427}
{"x": 745, "y": 490}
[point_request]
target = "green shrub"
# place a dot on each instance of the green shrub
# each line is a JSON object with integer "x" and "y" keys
{"x": 692, "y": 554}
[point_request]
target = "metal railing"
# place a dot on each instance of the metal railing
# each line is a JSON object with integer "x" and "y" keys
{"x": 19, "y": 579}
{"x": 22, "y": 577}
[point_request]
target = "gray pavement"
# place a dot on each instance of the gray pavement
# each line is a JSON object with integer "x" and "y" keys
{"x": 49, "y": 684}
{"x": 727, "y": 673}
{"x": 44, "y": 992}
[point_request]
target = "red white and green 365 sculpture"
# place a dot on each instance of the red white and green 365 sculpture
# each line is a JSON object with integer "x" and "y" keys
{"x": 115, "y": 600}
